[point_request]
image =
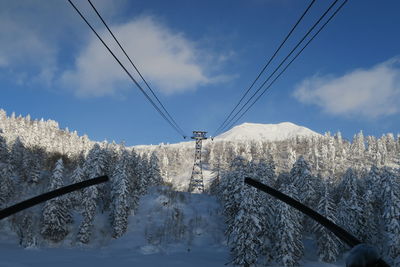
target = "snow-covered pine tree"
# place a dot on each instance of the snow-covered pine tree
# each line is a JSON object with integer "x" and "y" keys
{"x": 391, "y": 212}
{"x": 6, "y": 183}
{"x": 32, "y": 164}
{"x": 120, "y": 196}
{"x": 370, "y": 230}
{"x": 77, "y": 176}
{"x": 315, "y": 156}
{"x": 306, "y": 184}
{"x": 27, "y": 160}
{"x": 247, "y": 151}
{"x": 291, "y": 158}
{"x": 56, "y": 215}
{"x": 349, "y": 213}
{"x": 358, "y": 145}
{"x": 373, "y": 207}
{"x": 133, "y": 176}
{"x": 225, "y": 155}
{"x": 231, "y": 197}
{"x": 251, "y": 169}
{"x": 301, "y": 177}
{"x": 154, "y": 170}
{"x": 288, "y": 244}
{"x": 3, "y": 117}
{"x": 89, "y": 206}
{"x": 330, "y": 162}
{"x": 212, "y": 156}
{"x": 328, "y": 244}
{"x": 390, "y": 144}
{"x": 265, "y": 169}
{"x": 112, "y": 152}
{"x": 398, "y": 143}
{"x": 3, "y": 148}
{"x": 265, "y": 173}
{"x": 16, "y": 155}
{"x": 164, "y": 164}
{"x": 244, "y": 238}
{"x": 232, "y": 184}
{"x": 371, "y": 146}
{"x": 36, "y": 168}
{"x": 282, "y": 179}
{"x": 142, "y": 181}
{"x": 94, "y": 166}
{"x": 230, "y": 153}
{"x": 23, "y": 224}
{"x": 382, "y": 152}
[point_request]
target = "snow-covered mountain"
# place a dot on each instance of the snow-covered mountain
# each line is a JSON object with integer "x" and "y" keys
{"x": 266, "y": 132}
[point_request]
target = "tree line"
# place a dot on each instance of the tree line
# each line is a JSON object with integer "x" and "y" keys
{"x": 262, "y": 230}
{"x": 37, "y": 157}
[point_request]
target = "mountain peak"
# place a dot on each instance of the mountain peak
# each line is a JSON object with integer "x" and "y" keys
{"x": 265, "y": 132}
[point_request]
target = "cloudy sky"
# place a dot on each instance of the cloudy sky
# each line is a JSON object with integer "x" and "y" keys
{"x": 199, "y": 57}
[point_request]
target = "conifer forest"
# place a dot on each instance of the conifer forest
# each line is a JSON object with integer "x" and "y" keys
{"x": 354, "y": 183}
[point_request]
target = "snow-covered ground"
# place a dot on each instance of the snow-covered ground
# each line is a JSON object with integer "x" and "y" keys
{"x": 13, "y": 256}
{"x": 169, "y": 229}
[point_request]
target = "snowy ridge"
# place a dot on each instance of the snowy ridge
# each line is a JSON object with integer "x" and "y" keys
{"x": 251, "y": 131}
{"x": 266, "y": 132}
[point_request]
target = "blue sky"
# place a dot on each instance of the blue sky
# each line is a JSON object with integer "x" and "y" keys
{"x": 200, "y": 57}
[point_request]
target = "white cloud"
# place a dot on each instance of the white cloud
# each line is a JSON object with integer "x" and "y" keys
{"x": 368, "y": 93}
{"x": 33, "y": 32}
{"x": 167, "y": 59}
{"x": 22, "y": 49}
{"x": 36, "y": 47}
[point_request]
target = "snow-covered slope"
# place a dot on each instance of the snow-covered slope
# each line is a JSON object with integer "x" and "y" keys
{"x": 171, "y": 229}
{"x": 265, "y": 132}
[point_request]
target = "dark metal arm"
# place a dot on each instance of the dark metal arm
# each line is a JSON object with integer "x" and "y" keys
{"x": 47, "y": 196}
{"x": 342, "y": 234}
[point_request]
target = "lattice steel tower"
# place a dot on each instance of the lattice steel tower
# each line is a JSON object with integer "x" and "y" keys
{"x": 196, "y": 184}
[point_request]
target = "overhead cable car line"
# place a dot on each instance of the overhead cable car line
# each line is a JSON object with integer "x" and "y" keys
{"x": 127, "y": 72}
{"x": 137, "y": 70}
{"x": 291, "y": 61}
{"x": 282, "y": 62}
{"x": 267, "y": 64}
